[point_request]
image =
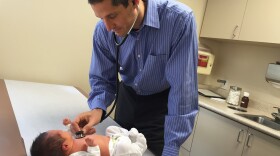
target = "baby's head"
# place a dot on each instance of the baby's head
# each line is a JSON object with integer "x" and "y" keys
{"x": 52, "y": 143}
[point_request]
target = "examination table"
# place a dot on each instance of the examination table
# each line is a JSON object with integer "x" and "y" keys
{"x": 28, "y": 108}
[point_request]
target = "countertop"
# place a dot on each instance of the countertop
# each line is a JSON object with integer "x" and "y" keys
{"x": 222, "y": 109}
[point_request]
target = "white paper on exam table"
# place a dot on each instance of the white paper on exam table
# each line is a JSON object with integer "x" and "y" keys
{"x": 40, "y": 107}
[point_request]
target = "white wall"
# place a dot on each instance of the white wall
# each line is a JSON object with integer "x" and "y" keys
{"x": 51, "y": 41}
{"x": 46, "y": 41}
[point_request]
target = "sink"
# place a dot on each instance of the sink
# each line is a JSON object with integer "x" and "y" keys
{"x": 263, "y": 120}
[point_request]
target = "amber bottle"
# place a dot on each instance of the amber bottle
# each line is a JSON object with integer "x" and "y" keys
{"x": 245, "y": 100}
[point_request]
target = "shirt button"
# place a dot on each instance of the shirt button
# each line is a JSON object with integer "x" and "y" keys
{"x": 135, "y": 84}
{"x": 140, "y": 69}
{"x": 138, "y": 56}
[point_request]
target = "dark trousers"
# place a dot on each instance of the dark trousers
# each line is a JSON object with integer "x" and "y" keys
{"x": 145, "y": 113}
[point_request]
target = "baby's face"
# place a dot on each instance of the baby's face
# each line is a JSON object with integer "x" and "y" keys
{"x": 64, "y": 134}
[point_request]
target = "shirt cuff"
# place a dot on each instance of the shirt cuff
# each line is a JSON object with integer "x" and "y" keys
{"x": 170, "y": 151}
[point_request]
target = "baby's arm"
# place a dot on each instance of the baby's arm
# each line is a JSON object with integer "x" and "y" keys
{"x": 67, "y": 124}
{"x": 93, "y": 148}
{"x": 90, "y": 141}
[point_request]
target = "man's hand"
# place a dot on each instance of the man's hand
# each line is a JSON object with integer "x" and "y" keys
{"x": 86, "y": 120}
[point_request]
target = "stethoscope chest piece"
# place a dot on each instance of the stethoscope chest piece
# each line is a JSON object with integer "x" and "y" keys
{"x": 79, "y": 135}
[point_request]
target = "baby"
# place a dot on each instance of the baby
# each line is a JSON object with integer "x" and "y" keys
{"x": 118, "y": 141}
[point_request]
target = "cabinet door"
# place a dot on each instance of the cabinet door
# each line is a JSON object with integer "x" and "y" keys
{"x": 188, "y": 143}
{"x": 216, "y": 135}
{"x": 223, "y": 18}
{"x": 184, "y": 152}
{"x": 259, "y": 144}
{"x": 261, "y": 21}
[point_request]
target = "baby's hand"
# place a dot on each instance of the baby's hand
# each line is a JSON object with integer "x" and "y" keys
{"x": 66, "y": 121}
{"x": 90, "y": 141}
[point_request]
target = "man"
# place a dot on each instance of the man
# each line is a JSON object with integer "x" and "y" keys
{"x": 158, "y": 92}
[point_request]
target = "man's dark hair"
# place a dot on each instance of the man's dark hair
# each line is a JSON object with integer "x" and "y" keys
{"x": 114, "y": 2}
{"x": 47, "y": 146}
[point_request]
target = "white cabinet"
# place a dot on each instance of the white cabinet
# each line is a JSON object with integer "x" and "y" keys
{"x": 217, "y": 136}
{"x": 223, "y": 19}
{"x": 244, "y": 20}
{"x": 261, "y": 22}
{"x": 259, "y": 144}
{"x": 184, "y": 152}
{"x": 186, "y": 146}
{"x": 188, "y": 143}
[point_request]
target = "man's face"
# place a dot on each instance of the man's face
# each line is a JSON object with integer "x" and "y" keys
{"x": 116, "y": 18}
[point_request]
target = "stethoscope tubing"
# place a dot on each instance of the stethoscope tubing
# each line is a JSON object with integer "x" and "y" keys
{"x": 117, "y": 78}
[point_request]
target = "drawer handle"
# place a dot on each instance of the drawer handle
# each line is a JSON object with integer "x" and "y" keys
{"x": 238, "y": 137}
{"x": 234, "y": 32}
{"x": 248, "y": 140}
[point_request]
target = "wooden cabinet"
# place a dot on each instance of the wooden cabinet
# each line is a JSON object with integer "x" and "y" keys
{"x": 223, "y": 19}
{"x": 216, "y": 135}
{"x": 244, "y": 20}
{"x": 259, "y": 144}
{"x": 261, "y": 21}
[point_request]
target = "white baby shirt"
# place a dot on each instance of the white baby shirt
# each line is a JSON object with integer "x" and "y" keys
{"x": 122, "y": 143}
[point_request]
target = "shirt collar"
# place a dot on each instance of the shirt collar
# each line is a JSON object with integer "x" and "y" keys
{"x": 151, "y": 17}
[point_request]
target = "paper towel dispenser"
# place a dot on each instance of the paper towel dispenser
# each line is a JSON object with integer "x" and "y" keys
{"x": 273, "y": 74}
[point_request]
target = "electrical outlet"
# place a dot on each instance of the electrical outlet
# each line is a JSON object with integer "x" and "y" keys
{"x": 226, "y": 85}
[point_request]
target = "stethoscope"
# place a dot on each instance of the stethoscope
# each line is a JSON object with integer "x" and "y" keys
{"x": 118, "y": 45}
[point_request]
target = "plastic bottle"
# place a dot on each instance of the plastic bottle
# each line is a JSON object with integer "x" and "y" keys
{"x": 245, "y": 100}
{"x": 234, "y": 95}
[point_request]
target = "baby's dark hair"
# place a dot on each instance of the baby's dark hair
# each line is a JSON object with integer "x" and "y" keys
{"x": 47, "y": 146}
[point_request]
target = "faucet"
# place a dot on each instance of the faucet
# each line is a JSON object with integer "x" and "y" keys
{"x": 276, "y": 115}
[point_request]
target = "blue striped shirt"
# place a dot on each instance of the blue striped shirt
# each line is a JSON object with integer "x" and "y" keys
{"x": 161, "y": 55}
